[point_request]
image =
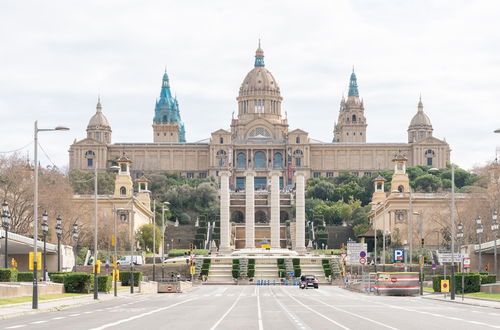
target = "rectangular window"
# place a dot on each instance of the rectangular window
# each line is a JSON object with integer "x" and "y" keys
{"x": 240, "y": 183}
{"x": 368, "y": 174}
{"x": 329, "y": 174}
{"x": 190, "y": 175}
{"x": 355, "y": 173}
{"x": 90, "y": 163}
{"x": 429, "y": 161}
{"x": 260, "y": 183}
{"x": 202, "y": 175}
{"x": 298, "y": 162}
{"x": 316, "y": 174}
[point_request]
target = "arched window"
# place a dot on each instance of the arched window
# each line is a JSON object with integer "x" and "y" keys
{"x": 261, "y": 217}
{"x": 260, "y": 133}
{"x": 221, "y": 156}
{"x": 221, "y": 140}
{"x": 401, "y": 188}
{"x": 278, "y": 160}
{"x": 241, "y": 160}
{"x": 123, "y": 191}
{"x": 238, "y": 217}
{"x": 259, "y": 160}
{"x": 297, "y": 139}
{"x": 353, "y": 118}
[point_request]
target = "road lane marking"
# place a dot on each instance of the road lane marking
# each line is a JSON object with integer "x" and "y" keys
{"x": 225, "y": 314}
{"x": 259, "y": 312}
{"x": 16, "y": 326}
{"x": 318, "y": 313}
{"x": 38, "y": 322}
{"x": 59, "y": 318}
{"x": 354, "y": 314}
{"x": 75, "y": 314}
{"x": 290, "y": 314}
{"x": 142, "y": 315}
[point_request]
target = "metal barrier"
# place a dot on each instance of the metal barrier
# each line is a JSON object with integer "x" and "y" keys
{"x": 397, "y": 283}
{"x": 168, "y": 286}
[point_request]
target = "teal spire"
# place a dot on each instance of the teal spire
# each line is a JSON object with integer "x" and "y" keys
{"x": 167, "y": 108}
{"x": 353, "y": 85}
{"x": 259, "y": 57}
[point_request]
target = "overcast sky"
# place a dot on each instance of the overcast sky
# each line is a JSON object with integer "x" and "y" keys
{"x": 56, "y": 56}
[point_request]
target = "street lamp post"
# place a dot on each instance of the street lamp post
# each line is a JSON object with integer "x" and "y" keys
{"x": 74, "y": 236}
{"x": 460, "y": 236}
{"x": 132, "y": 248}
{"x": 45, "y": 231}
{"x": 452, "y": 220}
{"x": 494, "y": 229}
{"x": 479, "y": 231}
{"x": 154, "y": 240}
{"x": 5, "y": 225}
{"x": 35, "y": 209}
{"x": 59, "y": 235}
{"x": 163, "y": 238}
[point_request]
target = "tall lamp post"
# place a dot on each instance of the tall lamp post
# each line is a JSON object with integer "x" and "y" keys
{"x": 165, "y": 204}
{"x": 35, "y": 209}
{"x": 45, "y": 231}
{"x": 494, "y": 229}
{"x": 479, "y": 231}
{"x": 59, "y": 235}
{"x": 5, "y": 225}
{"x": 154, "y": 240}
{"x": 460, "y": 236}
{"x": 74, "y": 237}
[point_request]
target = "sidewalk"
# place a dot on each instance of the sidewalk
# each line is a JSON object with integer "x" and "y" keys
{"x": 467, "y": 300}
{"x": 14, "y": 310}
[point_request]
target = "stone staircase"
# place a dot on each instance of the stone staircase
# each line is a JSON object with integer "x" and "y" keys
{"x": 198, "y": 263}
{"x": 313, "y": 267}
{"x": 335, "y": 266}
{"x": 220, "y": 271}
{"x": 288, "y": 266}
{"x": 243, "y": 267}
{"x": 266, "y": 269}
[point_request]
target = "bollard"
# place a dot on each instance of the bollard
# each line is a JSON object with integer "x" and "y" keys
{"x": 274, "y": 282}
{"x": 268, "y": 282}
{"x": 258, "y": 282}
{"x": 286, "y": 283}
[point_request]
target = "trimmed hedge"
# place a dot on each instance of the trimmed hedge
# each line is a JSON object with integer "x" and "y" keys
{"x": 488, "y": 279}
{"x": 281, "y": 261}
{"x": 183, "y": 252}
{"x": 58, "y": 278}
{"x": 236, "y": 273}
{"x": 295, "y": 261}
{"x": 25, "y": 277}
{"x": 297, "y": 271}
{"x": 78, "y": 282}
{"x": 251, "y": 272}
{"x": 8, "y": 275}
{"x": 104, "y": 283}
{"x": 251, "y": 261}
{"x": 125, "y": 278}
{"x": 327, "y": 270}
{"x": 472, "y": 282}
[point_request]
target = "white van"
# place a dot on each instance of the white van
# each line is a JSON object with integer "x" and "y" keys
{"x": 126, "y": 260}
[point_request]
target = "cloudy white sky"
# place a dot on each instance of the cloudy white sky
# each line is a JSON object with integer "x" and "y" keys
{"x": 56, "y": 56}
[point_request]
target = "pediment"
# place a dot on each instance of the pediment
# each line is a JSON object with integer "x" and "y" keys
{"x": 430, "y": 140}
{"x": 298, "y": 131}
{"x": 221, "y": 131}
{"x": 89, "y": 142}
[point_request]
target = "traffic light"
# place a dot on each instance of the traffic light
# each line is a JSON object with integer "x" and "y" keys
{"x": 98, "y": 266}
{"x": 422, "y": 243}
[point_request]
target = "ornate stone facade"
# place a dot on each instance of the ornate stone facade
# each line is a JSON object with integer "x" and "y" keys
{"x": 259, "y": 140}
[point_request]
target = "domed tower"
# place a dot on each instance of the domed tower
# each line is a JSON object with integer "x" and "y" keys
{"x": 98, "y": 127}
{"x": 167, "y": 123}
{"x": 351, "y": 125}
{"x": 259, "y": 100}
{"x": 420, "y": 126}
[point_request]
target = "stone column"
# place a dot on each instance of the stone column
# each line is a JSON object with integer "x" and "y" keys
{"x": 275, "y": 209}
{"x": 249, "y": 210}
{"x": 225, "y": 230}
{"x": 300, "y": 211}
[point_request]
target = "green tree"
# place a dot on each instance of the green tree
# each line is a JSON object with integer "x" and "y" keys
{"x": 428, "y": 183}
{"x": 144, "y": 237}
{"x": 322, "y": 190}
{"x": 82, "y": 182}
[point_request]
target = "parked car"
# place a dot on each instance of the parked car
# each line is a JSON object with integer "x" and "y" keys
{"x": 308, "y": 281}
{"x": 126, "y": 260}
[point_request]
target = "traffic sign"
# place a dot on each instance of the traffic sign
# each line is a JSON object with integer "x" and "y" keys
{"x": 399, "y": 257}
{"x": 445, "y": 285}
{"x": 446, "y": 257}
{"x": 169, "y": 288}
{"x": 353, "y": 251}
{"x": 434, "y": 266}
{"x": 466, "y": 262}
{"x": 362, "y": 254}
{"x": 394, "y": 279}
{"x": 362, "y": 260}
{"x": 291, "y": 274}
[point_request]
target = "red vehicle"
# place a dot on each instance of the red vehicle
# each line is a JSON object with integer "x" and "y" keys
{"x": 308, "y": 281}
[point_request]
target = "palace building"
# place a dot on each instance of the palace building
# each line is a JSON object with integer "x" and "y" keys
{"x": 258, "y": 150}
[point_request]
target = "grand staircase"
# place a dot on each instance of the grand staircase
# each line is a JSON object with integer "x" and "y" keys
{"x": 313, "y": 267}
{"x": 220, "y": 271}
{"x": 266, "y": 269}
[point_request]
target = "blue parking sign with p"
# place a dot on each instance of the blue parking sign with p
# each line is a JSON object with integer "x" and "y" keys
{"x": 399, "y": 256}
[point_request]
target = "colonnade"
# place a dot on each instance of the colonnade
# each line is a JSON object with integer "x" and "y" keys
{"x": 225, "y": 226}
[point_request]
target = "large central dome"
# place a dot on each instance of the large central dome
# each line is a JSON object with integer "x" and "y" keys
{"x": 259, "y": 81}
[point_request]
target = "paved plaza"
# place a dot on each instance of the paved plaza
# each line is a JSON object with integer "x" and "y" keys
{"x": 252, "y": 307}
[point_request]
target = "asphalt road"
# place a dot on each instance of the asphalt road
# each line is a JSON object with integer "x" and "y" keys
{"x": 252, "y": 307}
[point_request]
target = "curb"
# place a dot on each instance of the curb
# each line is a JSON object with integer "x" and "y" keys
{"x": 56, "y": 308}
{"x": 466, "y": 303}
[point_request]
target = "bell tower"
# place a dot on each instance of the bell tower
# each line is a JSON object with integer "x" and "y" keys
{"x": 400, "y": 181}
{"x": 123, "y": 180}
{"x": 351, "y": 124}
